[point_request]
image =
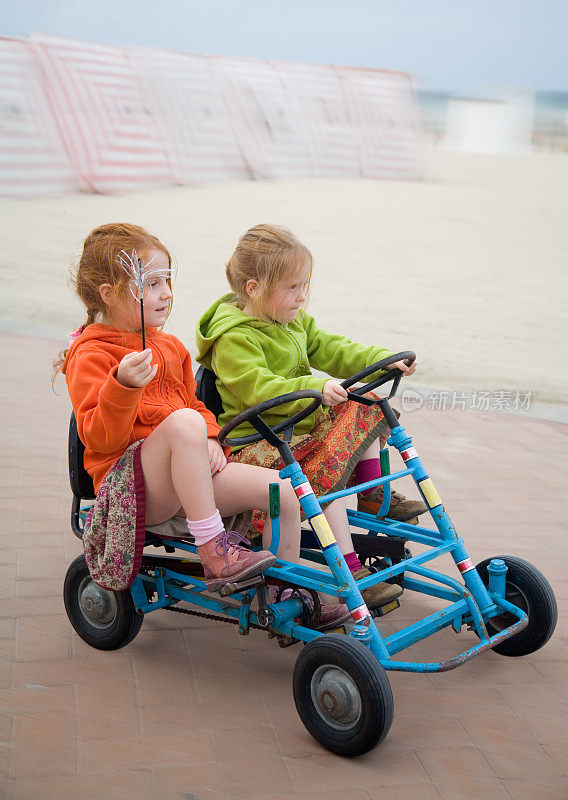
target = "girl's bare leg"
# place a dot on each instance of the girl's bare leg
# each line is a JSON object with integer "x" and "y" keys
{"x": 373, "y": 451}
{"x": 241, "y": 487}
{"x": 175, "y": 462}
{"x": 336, "y": 515}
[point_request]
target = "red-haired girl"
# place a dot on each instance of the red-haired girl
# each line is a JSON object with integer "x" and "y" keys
{"x": 137, "y": 410}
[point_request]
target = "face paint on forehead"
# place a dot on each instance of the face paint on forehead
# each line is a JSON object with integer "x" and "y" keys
{"x": 140, "y": 274}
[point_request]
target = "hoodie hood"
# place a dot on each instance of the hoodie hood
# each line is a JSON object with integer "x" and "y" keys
{"x": 217, "y": 320}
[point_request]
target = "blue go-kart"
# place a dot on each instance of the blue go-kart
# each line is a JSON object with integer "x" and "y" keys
{"x": 341, "y": 689}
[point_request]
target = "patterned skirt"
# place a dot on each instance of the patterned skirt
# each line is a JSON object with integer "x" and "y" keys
{"x": 113, "y": 538}
{"x": 328, "y": 454}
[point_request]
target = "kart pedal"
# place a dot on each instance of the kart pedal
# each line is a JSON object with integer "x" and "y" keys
{"x": 240, "y": 586}
{"x": 387, "y": 608}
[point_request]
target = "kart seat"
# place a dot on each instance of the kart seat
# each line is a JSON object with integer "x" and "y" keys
{"x": 206, "y": 390}
{"x": 80, "y": 480}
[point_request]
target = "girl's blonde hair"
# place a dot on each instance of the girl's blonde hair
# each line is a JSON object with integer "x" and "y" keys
{"x": 99, "y": 263}
{"x": 266, "y": 254}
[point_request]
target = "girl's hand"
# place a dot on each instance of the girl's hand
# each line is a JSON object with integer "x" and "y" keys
{"x": 136, "y": 370}
{"x": 217, "y": 459}
{"x": 404, "y": 368}
{"x": 333, "y": 393}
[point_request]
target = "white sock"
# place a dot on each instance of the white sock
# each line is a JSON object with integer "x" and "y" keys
{"x": 203, "y": 530}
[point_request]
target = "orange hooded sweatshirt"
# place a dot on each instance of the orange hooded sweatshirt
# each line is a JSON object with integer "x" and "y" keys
{"x": 110, "y": 417}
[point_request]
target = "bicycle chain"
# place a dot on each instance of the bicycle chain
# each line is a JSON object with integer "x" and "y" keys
{"x": 203, "y": 615}
{"x": 315, "y": 614}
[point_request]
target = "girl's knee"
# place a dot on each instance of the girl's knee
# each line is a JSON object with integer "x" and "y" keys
{"x": 186, "y": 425}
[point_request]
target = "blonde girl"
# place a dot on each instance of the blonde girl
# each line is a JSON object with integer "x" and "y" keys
{"x": 260, "y": 343}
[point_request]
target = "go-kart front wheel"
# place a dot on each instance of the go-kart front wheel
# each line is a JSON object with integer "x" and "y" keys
{"x": 104, "y": 619}
{"x": 527, "y": 588}
{"x": 342, "y": 694}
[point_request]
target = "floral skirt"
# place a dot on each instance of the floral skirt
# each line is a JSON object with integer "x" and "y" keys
{"x": 113, "y": 538}
{"x": 328, "y": 454}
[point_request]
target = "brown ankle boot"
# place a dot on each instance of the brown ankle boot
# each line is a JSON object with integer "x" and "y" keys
{"x": 381, "y": 593}
{"x": 225, "y": 560}
{"x": 400, "y": 509}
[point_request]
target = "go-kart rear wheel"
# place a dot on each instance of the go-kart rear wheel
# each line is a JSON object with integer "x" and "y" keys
{"x": 342, "y": 694}
{"x": 527, "y": 588}
{"x": 104, "y": 619}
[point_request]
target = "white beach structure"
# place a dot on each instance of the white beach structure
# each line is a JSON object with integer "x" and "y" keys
{"x": 490, "y": 124}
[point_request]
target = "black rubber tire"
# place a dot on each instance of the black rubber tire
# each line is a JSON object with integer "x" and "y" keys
{"x": 368, "y": 720}
{"x": 117, "y": 628}
{"x": 527, "y": 588}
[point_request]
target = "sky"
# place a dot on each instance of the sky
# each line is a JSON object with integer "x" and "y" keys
{"x": 448, "y": 45}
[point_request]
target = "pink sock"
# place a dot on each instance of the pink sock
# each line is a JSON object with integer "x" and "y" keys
{"x": 352, "y": 560}
{"x": 203, "y": 530}
{"x": 368, "y": 470}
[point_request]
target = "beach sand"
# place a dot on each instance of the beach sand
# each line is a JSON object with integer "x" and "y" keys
{"x": 467, "y": 267}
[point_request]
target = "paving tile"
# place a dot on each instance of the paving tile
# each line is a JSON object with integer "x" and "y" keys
{"x": 202, "y": 784}
{"x": 5, "y": 754}
{"x": 6, "y": 670}
{"x": 103, "y": 669}
{"x": 35, "y": 699}
{"x": 31, "y": 607}
{"x": 43, "y": 637}
{"x": 207, "y": 661}
{"x": 137, "y": 784}
{"x": 223, "y": 714}
{"x": 408, "y": 731}
{"x": 5, "y": 728}
{"x": 543, "y": 712}
{"x": 7, "y": 650}
{"x": 44, "y": 744}
{"x": 559, "y": 754}
{"x": 7, "y": 629}
{"x": 109, "y": 710}
{"x": 321, "y": 772}
{"x": 543, "y": 789}
{"x": 48, "y": 587}
{"x": 508, "y": 746}
{"x": 164, "y": 678}
{"x": 8, "y": 556}
{"x": 191, "y": 751}
{"x": 461, "y": 772}
{"x": 244, "y": 767}
{"x": 7, "y": 581}
{"x": 293, "y": 739}
{"x": 413, "y": 701}
{"x": 556, "y": 672}
{"x": 259, "y": 686}
{"x": 423, "y": 791}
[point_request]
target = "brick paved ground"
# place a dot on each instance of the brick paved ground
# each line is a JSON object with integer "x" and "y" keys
{"x": 191, "y": 710}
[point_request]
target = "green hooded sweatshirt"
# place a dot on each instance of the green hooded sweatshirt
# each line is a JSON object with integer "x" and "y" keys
{"x": 255, "y": 360}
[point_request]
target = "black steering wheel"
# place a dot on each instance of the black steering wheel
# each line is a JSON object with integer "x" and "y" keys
{"x": 252, "y": 415}
{"x": 392, "y": 375}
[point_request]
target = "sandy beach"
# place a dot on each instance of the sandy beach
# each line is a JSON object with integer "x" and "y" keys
{"x": 467, "y": 267}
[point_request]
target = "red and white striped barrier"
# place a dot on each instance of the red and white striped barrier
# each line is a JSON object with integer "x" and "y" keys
{"x": 326, "y": 125}
{"x": 33, "y": 159}
{"x": 385, "y": 122}
{"x": 266, "y": 117}
{"x": 108, "y": 133}
{"x": 193, "y": 122}
{"x": 105, "y": 119}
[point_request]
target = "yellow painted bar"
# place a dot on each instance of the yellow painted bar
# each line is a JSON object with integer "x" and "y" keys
{"x": 430, "y": 493}
{"x": 322, "y": 530}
